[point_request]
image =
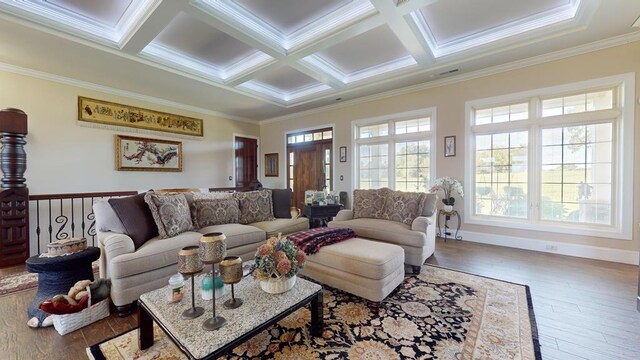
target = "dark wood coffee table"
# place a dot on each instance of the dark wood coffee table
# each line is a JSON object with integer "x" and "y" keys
{"x": 259, "y": 311}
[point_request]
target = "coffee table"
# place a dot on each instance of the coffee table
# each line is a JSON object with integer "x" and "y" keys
{"x": 259, "y": 311}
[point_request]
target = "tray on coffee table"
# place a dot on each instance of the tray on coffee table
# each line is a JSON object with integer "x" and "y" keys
{"x": 259, "y": 311}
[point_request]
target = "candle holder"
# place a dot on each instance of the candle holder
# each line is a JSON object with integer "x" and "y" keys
{"x": 189, "y": 264}
{"x": 231, "y": 273}
{"x": 212, "y": 250}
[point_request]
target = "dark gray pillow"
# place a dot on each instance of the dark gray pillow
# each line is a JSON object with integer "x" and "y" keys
{"x": 281, "y": 203}
{"x": 136, "y": 218}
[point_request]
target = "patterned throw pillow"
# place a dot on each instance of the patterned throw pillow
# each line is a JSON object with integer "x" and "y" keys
{"x": 212, "y": 195}
{"x": 255, "y": 206}
{"x": 403, "y": 206}
{"x": 369, "y": 203}
{"x": 215, "y": 212}
{"x": 171, "y": 213}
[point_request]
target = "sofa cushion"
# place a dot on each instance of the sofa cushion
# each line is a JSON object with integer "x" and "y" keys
{"x": 403, "y": 206}
{"x": 106, "y": 217}
{"x": 385, "y": 230}
{"x": 281, "y": 203}
{"x": 155, "y": 254}
{"x": 215, "y": 212}
{"x": 237, "y": 234}
{"x": 136, "y": 218}
{"x": 255, "y": 206}
{"x": 429, "y": 207}
{"x": 284, "y": 226}
{"x": 170, "y": 212}
{"x": 369, "y": 203}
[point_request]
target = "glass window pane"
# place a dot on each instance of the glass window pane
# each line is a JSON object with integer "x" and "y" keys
{"x": 601, "y": 100}
{"x": 483, "y": 116}
{"x": 299, "y": 138}
{"x": 374, "y": 130}
{"x": 575, "y": 104}
{"x": 519, "y": 112}
{"x": 500, "y": 114}
{"x": 317, "y": 136}
{"x": 552, "y": 107}
{"x": 327, "y": 135}
{"x": 308, "y": 137}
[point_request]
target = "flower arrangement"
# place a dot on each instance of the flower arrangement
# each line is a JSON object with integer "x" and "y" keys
{"x": 276, "y": 258}
{"x": 448, "y": 185}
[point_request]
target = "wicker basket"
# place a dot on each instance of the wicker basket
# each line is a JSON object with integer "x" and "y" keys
{"x": 67, "y": 323}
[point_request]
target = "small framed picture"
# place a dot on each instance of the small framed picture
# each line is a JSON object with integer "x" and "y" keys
{"x": 271, "y": 164}
{"x": 449, "y": 146}
{"x": 343, "y": 154}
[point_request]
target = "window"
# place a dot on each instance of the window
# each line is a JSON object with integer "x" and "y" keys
{"x": 395, "y": 153}
{"x": 554, "y": 157}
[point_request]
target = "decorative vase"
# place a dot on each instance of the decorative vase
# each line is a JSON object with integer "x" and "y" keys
{"x": 448, "y": 208}
{"x": 278, "y": 285}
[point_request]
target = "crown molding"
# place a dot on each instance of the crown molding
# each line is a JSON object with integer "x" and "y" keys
{"x": 118, "y": 92}
{"x": 536, "y": 60}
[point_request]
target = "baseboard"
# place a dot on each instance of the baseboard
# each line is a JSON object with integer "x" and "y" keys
{"x": 583, "y": 251}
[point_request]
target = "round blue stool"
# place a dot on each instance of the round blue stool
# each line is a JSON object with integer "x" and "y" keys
{"x": 56, "y": 275}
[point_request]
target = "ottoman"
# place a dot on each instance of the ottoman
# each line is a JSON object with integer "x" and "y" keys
{"x": 362, "y": 267}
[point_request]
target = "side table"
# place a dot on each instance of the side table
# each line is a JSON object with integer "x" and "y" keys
{"x": 56, "y": 275}
{"x": 320, "y": 213}
{"x": 447, "y": 216}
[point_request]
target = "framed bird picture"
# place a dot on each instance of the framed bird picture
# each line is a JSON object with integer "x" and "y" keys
{"x": 143, "y": 154}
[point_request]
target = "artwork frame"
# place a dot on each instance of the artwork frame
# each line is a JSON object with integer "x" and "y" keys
{"x": 449, "y": 146}
{"x": 343, "y": 154}
{"x": 140, "y": 158}
{"x": 271, "y": 168}
{"x": 113, "y": 114}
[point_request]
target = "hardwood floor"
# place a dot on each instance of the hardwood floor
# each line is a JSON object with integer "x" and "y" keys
{"x": 585, "y": 309}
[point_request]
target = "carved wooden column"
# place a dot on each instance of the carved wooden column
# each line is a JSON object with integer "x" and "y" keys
{"x": 14, "y": 195}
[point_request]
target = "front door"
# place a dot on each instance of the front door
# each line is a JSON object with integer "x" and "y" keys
{"x": 309, "y": 162}
{"x": 246, "y": 161}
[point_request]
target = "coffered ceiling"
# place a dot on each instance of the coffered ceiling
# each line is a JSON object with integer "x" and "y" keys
{"x": 259, "y": 59}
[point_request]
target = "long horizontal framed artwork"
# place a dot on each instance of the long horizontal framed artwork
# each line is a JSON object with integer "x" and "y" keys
{"x": 104, "y": 112}
{"x": 143, "y": 154}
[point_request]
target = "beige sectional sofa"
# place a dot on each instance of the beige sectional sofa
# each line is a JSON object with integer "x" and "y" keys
{"x": 390, "y": 216}
{"x": 135, "y": 269}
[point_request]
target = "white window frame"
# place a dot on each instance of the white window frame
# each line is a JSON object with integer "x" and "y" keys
{"x": 391, "y": 140}
{"x": 622, "y": 155}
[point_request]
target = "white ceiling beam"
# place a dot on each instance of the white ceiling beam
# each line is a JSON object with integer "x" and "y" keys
{"x": 320, "y": 76}
{"x": 211, "y": 18}
{"x": 403, "y": 31}
{"x": 152, "y": 25}
{"x": 406, "y": 7}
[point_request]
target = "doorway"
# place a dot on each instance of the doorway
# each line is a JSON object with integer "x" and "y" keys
{"x": 246, "y": 160}
{"x": 309, "y": 162}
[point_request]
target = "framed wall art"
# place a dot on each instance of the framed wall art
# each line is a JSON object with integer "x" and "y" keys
{"x": 343, "y": 154}
{"x": 449, "y": 146}
{"x": 143, "y": 154}
{"x": 271, "y": 165}
{"x": 108, "y": 113}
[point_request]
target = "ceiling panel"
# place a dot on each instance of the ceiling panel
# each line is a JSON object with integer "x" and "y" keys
{"x": 287, "y": 16}
{"x": 107, "y": 12}
{"x": 198, "y": 40}
{"x": 287, "y": 80}
{"x": 454, "y": 19}
{"x": 364, "y": 51}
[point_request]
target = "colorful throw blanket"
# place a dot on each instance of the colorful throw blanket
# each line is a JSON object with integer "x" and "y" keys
{"x": 310, "y": 241}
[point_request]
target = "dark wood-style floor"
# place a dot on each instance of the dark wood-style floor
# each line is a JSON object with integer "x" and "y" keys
{"x": 585, "y": 309}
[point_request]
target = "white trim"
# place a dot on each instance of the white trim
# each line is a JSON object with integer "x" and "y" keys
{"x": 577, "y": 250}
{"x": 621, "y": 227}
{"x": 519, "y": 64}
{"x": 113, "y": 91}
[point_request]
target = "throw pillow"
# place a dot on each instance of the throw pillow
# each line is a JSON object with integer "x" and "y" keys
{"x": 281, "y": 203}
{"x": 136, "y": 218}
{"x": 369, "y": 203}
{"x": 106, "y": 217}
{"x": 170, "y": 212}
{"x": 255, "y": 206}
{"x": 403, "y": 206}
{"x": 429, "y": 208}
{"x": 212, "y": 195}
{"x": 215, "y": 212}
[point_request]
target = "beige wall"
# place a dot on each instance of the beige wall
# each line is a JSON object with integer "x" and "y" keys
{"x": 65, "y": 157}
{"x": 449, "y": 101}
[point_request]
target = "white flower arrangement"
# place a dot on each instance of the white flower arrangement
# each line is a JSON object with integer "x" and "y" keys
{"x": 448, "y": 185}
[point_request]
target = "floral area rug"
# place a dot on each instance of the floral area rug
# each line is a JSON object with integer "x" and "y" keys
{"x": 13, "y": 283}
{"x": 438, "y": 314}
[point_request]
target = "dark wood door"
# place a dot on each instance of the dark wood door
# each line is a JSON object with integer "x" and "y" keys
{"x": 310, "y": 169}
{"x": 246, "y": 161}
